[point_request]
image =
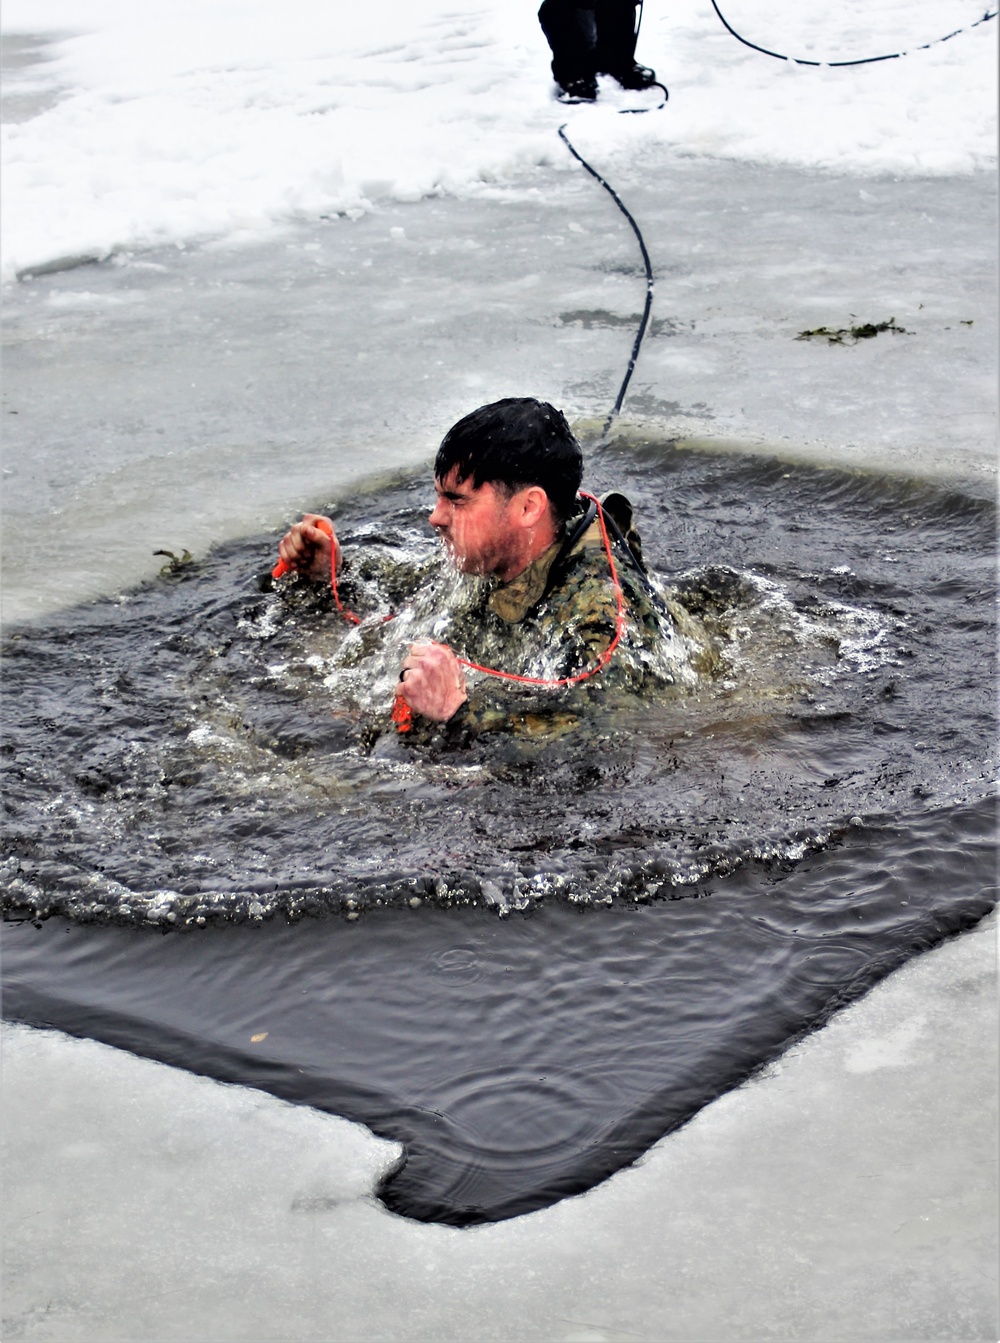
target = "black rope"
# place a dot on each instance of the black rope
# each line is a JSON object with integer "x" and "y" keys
{"x": 641, "y": 111}
{"x": 649, "y": 278}
{"x": 838, "y": 65}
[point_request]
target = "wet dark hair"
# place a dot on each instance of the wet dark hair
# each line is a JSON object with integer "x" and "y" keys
{"x": 514, "y": 443}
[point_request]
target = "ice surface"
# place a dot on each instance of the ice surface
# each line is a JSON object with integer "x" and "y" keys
{"x": 28, "y": 87}
{"x": 199, "y": 119}
{"x": 176, "y": 398}
{"x": 850, "y": 1192}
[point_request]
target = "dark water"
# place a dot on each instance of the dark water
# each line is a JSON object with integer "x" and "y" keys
{"x": 684, "y": 884}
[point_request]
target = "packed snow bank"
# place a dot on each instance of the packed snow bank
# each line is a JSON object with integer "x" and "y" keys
{"x": 220, "y": 118}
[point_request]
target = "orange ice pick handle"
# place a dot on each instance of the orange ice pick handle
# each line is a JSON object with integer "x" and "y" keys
{"x": 402, "y": 714}
{"x": 281, "y": 568}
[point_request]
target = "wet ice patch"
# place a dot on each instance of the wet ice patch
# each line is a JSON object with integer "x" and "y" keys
{"x": 84, "y": 298}
{"x": 894, "y": 1049}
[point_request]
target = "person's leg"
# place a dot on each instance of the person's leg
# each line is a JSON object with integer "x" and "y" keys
{"x": 615, "y": 33}
{"x": 615, "y": 25}
{"x": 571, "y": 33}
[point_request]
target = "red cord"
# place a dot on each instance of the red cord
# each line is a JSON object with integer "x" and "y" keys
{"x": 349, "y": 616}
{"x": 281, "y": 568}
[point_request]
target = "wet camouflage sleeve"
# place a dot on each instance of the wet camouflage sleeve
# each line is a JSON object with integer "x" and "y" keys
{"x": 565, "y": 634}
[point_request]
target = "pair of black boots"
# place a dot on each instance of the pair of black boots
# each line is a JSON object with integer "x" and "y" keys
{"x": 590, "y": 38}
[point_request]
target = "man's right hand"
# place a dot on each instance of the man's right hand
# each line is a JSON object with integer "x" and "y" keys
{"x": 306, "y": 548}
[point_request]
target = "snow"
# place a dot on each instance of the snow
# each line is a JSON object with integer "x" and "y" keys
{"x": 222, "y": 119}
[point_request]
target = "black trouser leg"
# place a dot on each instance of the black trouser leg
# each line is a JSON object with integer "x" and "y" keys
{"x": 615, "y": 25}
{"x": 571, "y": 31}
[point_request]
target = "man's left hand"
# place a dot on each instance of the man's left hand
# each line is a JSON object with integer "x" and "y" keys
{"x": 433, "y": 683}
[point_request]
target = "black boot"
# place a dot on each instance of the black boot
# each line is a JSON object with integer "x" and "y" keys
{"x": 634, "y": 76}
{"x": 581, "y": 90}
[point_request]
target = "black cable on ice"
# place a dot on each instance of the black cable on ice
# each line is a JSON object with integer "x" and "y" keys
{"x": 649, "y": 277}
{"x": 778, "y": 56}
{"x": 867, "y": 60}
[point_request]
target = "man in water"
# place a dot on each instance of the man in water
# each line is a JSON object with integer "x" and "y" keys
{"x": 507, "y": 478}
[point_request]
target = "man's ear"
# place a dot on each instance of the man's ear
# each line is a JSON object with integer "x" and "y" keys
{"x": 534, "y": 506}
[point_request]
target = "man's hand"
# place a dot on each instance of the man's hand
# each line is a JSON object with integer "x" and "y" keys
{"x": 306, "y": 548}
{"x": 433, "y": 683}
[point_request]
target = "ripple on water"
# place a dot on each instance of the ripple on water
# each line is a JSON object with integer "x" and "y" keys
{"x": 516, "y": 1113}
{"x": 837, "y": 964}
{"x": 460, "y": 964}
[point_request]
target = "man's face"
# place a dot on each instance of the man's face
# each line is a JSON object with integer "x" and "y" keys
{"x": 475, "y": 525}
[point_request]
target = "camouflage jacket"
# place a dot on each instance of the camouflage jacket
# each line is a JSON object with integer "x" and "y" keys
{"x": 554, "y": 621}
